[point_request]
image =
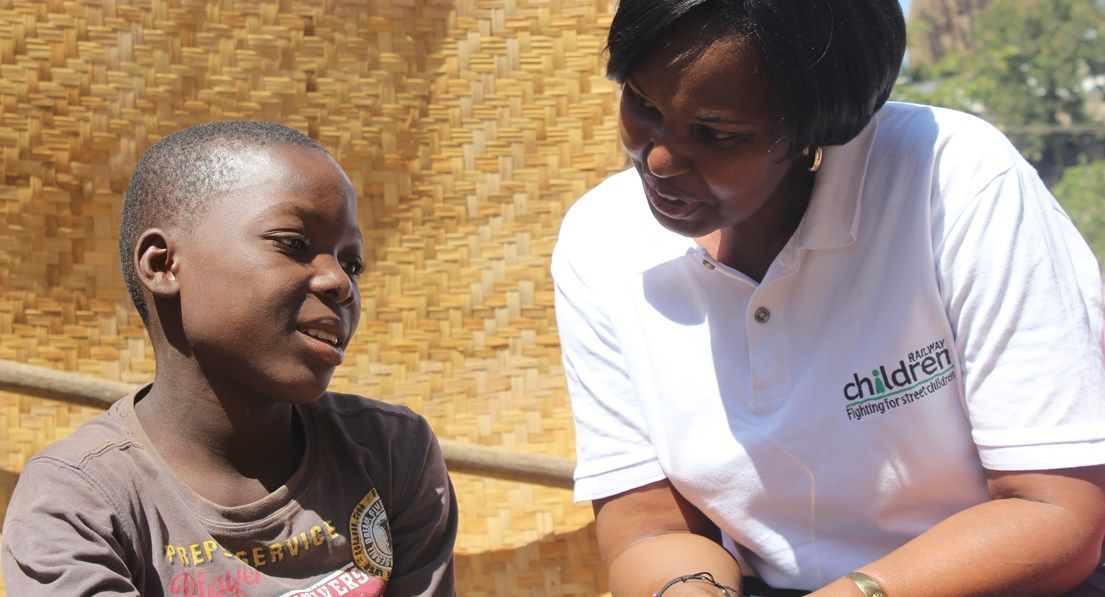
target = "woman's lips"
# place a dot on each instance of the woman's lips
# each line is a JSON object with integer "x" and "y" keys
{"x": 675, "y": 209}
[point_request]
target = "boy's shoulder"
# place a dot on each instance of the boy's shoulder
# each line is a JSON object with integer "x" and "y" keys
{"x": 388, "y": 443}
{"x": 352, "y": 406}
{"x": 96, "y": 442}
{"x": 90, "y": 443}
{"x": 88, "y": 474}
{"x": 368, "y": 421}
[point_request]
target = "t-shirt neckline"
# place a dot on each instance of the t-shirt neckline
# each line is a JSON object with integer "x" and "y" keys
{"x": 254, "y": 513}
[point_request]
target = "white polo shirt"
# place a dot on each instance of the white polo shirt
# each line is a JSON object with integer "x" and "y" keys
{"x": 934, "y": 313}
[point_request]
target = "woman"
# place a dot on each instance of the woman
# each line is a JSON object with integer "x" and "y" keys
{"x": 840, "y": 346}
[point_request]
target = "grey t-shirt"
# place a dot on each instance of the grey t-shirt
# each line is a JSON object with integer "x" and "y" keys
{"x": 370, "y": 510}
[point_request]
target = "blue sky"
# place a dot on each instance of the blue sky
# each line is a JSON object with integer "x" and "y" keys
{"x": 905, "y": 6}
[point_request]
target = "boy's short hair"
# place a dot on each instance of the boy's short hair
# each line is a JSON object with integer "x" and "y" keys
{"x": 181, "y": 172}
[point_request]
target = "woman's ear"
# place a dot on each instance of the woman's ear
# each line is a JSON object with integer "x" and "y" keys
{"x": 155, "y": 262}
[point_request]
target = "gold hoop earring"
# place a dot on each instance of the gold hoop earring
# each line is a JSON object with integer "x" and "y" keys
{"x": 817, "y": 155}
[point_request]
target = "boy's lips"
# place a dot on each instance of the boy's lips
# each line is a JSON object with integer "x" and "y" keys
{"x": 323, "y": 335}
{"x": 325, "y": 339}
{"x": 328, "y": 353}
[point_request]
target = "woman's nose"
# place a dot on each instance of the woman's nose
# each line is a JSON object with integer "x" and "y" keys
{"x": 664, "y": 161}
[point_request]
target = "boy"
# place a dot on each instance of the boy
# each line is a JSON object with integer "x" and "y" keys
{"x": 235, "y": 472}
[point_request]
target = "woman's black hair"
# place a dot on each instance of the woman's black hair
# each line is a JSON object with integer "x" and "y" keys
{"x": 833, "y": 62}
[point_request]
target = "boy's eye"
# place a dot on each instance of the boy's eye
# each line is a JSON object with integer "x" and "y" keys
{"x": 353, "y": 267}
{"x": 293, "y": 243}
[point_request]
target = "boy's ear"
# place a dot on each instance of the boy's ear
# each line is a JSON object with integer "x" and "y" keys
{"x": 155, "y": 263}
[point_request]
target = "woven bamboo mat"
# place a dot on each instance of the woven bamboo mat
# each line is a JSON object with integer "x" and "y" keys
{"x": 468, "y": 128}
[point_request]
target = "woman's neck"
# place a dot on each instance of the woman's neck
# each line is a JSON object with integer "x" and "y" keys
{"x": 751, "y": 246}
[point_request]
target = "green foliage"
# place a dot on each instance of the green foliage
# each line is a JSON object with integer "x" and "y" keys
{"x": 1036, "y": 66}
{"x": 1081, "y": 191}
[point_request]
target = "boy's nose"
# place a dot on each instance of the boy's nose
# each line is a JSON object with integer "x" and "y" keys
{"x": 332, "y": 281}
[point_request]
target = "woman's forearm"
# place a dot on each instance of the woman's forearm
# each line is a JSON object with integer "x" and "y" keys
{"x": 1005, "y": 546}
{"x": 644, "y": 567}
{"x": 651, "y": 535}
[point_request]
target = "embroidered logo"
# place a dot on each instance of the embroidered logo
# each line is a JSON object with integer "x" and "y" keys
{"x": 370, "y": 536}
{"x": 923, "y": 372}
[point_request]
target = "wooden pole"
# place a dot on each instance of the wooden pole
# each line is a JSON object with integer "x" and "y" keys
{"x": 460, "y": 457}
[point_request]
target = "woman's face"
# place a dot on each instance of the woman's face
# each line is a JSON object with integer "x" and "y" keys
{"x": 702, "y": 125}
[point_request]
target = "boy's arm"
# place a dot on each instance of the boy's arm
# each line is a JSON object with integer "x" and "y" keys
{"x": 59, "y": 536}
{"x": 424, "y": 524}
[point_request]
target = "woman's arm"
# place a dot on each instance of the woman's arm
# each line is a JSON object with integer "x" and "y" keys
{"x": 1041, "y": 534}
{"x": 650, "y": 535}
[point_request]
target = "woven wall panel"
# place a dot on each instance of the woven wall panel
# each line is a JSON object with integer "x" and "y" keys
{"x": 468, "y": 128}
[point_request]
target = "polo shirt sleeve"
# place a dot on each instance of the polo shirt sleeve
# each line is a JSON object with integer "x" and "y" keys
{"x": 1023, "y": 294}
{"x": 613, "y": 449}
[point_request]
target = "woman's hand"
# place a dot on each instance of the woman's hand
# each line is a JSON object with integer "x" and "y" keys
{"x": 650, "y": 535}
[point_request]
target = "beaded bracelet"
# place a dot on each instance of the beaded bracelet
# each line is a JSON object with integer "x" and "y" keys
{"x": 704, "y": 577}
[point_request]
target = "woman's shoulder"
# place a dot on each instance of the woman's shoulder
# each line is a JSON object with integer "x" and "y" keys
{"x": 963, "y": 152}
{"x": 949, "y": 136}
{"x": 618, "y": 198}
{"x": 613, "y": 222}
{"x": 946, "y": 121}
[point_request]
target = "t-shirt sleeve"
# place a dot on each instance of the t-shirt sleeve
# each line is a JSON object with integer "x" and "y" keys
{"x": 424, "y": 523}
{"x": 1023, "y": 294}
{"x": 60, "y": 536}
{"x": 614, "y": 452}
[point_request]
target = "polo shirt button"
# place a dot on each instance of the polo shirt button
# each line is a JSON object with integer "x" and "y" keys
{"x": 762, "y": 315}
{"x": 706, "y": 263}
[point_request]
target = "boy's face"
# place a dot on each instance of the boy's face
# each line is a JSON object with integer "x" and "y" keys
{"x": 268, "y": 291}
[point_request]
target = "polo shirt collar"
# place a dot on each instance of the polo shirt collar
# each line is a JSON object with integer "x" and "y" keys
{"x": 832, "y": 217}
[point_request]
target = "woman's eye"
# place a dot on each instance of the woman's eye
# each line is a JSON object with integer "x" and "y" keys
{"x": 637, "y": 99}
{"x": 716, "y": 136}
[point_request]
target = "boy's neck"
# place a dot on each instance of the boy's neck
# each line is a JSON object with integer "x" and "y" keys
{"x": 230, "y": 449}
